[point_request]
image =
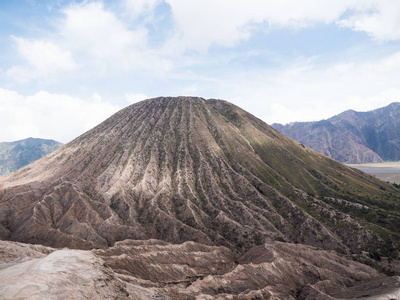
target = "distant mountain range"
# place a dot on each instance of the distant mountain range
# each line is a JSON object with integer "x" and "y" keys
{"x": 352, "y": 137}
{"x": 15, "y": 155}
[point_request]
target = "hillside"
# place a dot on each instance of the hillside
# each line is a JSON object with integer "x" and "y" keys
{"x": 189, "y": 169}
{"x": 18, "y": 154}
{"x": 210, "y": 183}
{"x": 352, "y": 137}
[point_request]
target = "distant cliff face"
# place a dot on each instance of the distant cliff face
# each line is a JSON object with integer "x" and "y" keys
{"x": 15, "y": 155}
{"x": 352, "y": 137}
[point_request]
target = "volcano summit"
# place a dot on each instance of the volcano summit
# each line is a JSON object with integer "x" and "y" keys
{"x": 189, "y": 169}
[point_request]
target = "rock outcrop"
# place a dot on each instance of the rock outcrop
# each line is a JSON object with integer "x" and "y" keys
{"x": 44, "y": 273}
{"x": 273, "y": 270}
{"x": 156, "y": 269}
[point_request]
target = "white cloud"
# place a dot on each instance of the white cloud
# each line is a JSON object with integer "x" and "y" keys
{"x": 138, "y": 7}
{"x": 133, "y": 98}
{"x": 390, "y": 63}
{"x": 189, "y": 90}
{"x": 104, "y": 42}
{"x": 114, "y": 51}
{"x": 43, "y": 58}
{"x": 98, "y": 32}
{"x": 307, "y": 91}
{"x": 201, "y": 23}
{"x": 52, "y": 116}
{"x": 101, "y": 43}
{"x": 381, "y": 20}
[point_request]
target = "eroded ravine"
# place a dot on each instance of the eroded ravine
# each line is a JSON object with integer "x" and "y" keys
{"x": 189, "y": 169}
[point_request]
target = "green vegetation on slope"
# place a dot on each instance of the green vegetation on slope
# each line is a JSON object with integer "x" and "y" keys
{"x": 373, "y": 203}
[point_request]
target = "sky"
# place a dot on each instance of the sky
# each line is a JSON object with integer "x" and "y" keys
{"x": 65, "y": 66}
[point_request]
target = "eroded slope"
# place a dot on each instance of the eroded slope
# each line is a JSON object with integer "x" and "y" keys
{"x": 189, "y": 169}
{"x": 155, "y": 269}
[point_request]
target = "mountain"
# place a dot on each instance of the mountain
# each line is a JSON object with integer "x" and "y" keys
{"x": 352, "y": 137}
{"x": 180, "y": 169}
{"x": 189, "y": 170}
{"x": 15, "y": 155}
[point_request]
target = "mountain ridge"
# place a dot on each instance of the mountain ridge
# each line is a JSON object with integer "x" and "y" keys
{"x": 351, "y": 136}
{"x": 17, "y": 154}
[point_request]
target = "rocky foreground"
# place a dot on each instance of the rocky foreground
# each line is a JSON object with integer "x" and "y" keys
{"x": 155, "y": 269}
